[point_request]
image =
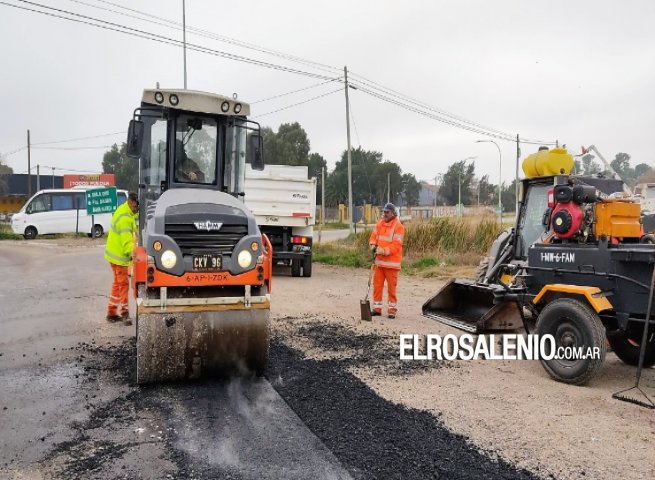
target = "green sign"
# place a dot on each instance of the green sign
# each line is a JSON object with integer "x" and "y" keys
{"x": 101, "y": 200}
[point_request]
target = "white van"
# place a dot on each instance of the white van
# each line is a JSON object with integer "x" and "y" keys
{"x": 61, "y": 211}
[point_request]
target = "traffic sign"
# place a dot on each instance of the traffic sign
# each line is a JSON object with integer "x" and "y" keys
{"x": 101, "y": 200}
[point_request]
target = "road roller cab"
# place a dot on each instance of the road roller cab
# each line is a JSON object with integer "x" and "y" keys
{"x": 202, "y": 268}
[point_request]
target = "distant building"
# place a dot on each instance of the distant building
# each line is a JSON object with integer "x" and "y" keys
{"x": 16, "y": 195}
{"x": 428, "y": 194}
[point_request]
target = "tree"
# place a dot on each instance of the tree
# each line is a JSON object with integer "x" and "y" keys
{"x": 371, "y": 178}
{"x": 641, "y": 170}
{"x": 5, "y": 171}
{"x": 589, "y": 165}
{"x": 124, "y": 168}
{"x": 486, "y": 191}
{"x": 458, "y": 173}
{"x": 411, "y": 189}
{"x": 316, "y": 165}
{"x": 508, "y": 197}
{"x": 289, "y": 146}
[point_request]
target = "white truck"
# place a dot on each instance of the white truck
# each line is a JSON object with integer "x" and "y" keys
{"x": 283, "y": 200}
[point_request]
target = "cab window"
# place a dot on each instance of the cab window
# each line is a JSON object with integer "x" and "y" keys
{"x": 42, "y": 203}
{"x": 121, "y": 198}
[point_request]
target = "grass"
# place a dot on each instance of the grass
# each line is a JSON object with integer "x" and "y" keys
{"x": 7, "y": 234}
{"x": 441, "y": 247}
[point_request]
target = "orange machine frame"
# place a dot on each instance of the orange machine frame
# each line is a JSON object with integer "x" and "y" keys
{"x": 202, "y": 279}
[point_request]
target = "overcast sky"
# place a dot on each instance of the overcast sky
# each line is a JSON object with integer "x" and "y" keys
{"x": 580, "y": 72}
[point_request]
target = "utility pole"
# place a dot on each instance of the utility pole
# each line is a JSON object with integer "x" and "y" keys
{"x": 323, "y": 195}
{"x": 516, "y": 189}
{"x": 53, "y": 177}
{"x": 184, "y": 38}
{"x": 29, "y": 175}
{"x": 350, "y": 165}
{"x": 38, "y": 177}
{"x": 388, "y": 187}
{"x": 320, "y": 226}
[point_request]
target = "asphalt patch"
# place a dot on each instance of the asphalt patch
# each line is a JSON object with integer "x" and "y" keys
{"x": 380, "y": 353}
{"x": 372, "y": 437}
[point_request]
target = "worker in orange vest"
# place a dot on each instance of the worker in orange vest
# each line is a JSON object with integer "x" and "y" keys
{"x": 386, "y": 242}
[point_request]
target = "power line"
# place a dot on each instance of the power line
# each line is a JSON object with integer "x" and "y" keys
{"x": 73, "y": 148}
{"x": 80, "y": 138}
{"x": 294, "y": 91}
{"x": 299, "y": 103}
{"x": 370, "y": 83}
{"x": 211, "y": 35}
{"x": 155, "y": 37}
{"x": 13, "y": 151}
{"x": 375, "y": 89}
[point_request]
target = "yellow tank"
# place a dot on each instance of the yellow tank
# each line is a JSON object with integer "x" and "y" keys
{"x": 548, "y": 162}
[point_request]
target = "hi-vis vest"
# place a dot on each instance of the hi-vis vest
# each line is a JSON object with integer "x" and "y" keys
{"x": 389, "y": 235}
{"x": 120, "y": 245}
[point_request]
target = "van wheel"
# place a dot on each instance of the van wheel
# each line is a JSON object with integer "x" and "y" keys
{"x": 30, "y": 233}
{"x": 572, "y": 324}
{"x": 97, "y": 231}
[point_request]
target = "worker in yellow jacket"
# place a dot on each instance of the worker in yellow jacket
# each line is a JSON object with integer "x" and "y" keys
{"x": 118, "y": 252}
{"x": 386, "y": 242}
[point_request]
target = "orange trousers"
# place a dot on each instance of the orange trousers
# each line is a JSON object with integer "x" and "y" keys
{"x": 390, "y": 275}
{"x": 119, "y": 289}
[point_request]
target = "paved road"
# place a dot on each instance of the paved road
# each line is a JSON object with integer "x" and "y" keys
{"x": 69, "y": 407}
{"x": 331, "y": 235}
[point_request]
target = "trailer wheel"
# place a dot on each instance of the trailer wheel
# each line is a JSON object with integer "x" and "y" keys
{"x": 30, "y": 233}
{"x": 307, "y": 266}
{"x": 627, "y": 348}
{"x": 573, "y": 324}
{"x": 295, "y": 267}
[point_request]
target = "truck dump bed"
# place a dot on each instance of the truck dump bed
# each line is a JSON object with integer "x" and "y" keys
{"x": 281, "y": 195}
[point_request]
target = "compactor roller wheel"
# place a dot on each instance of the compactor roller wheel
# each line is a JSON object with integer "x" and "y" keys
{"x": 573, "y": 324}
{"x": 208, "y": 343}
{"x": 628, "y": 348}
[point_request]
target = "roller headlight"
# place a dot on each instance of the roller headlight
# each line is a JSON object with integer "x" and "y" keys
{"x": 244, "y": 259}
{"x": 159, "y": 97}
{"x": 173, "y": 99}
{"x": 225, "y": 107}
{"x": 168, "y": 259}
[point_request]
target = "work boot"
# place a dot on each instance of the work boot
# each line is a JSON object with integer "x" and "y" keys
{"x": 375, "y": 314}
{"x": 392, "y": 316}
{"x": 114, "y": 318}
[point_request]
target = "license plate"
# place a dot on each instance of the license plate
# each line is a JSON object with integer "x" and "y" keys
{"x": 207, "y": 262}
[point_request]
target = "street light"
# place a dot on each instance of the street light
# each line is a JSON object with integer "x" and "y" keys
{"x": 438, "y": 178}
{"x": 459, "y": 188}
{"x": 500, "y": 180}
